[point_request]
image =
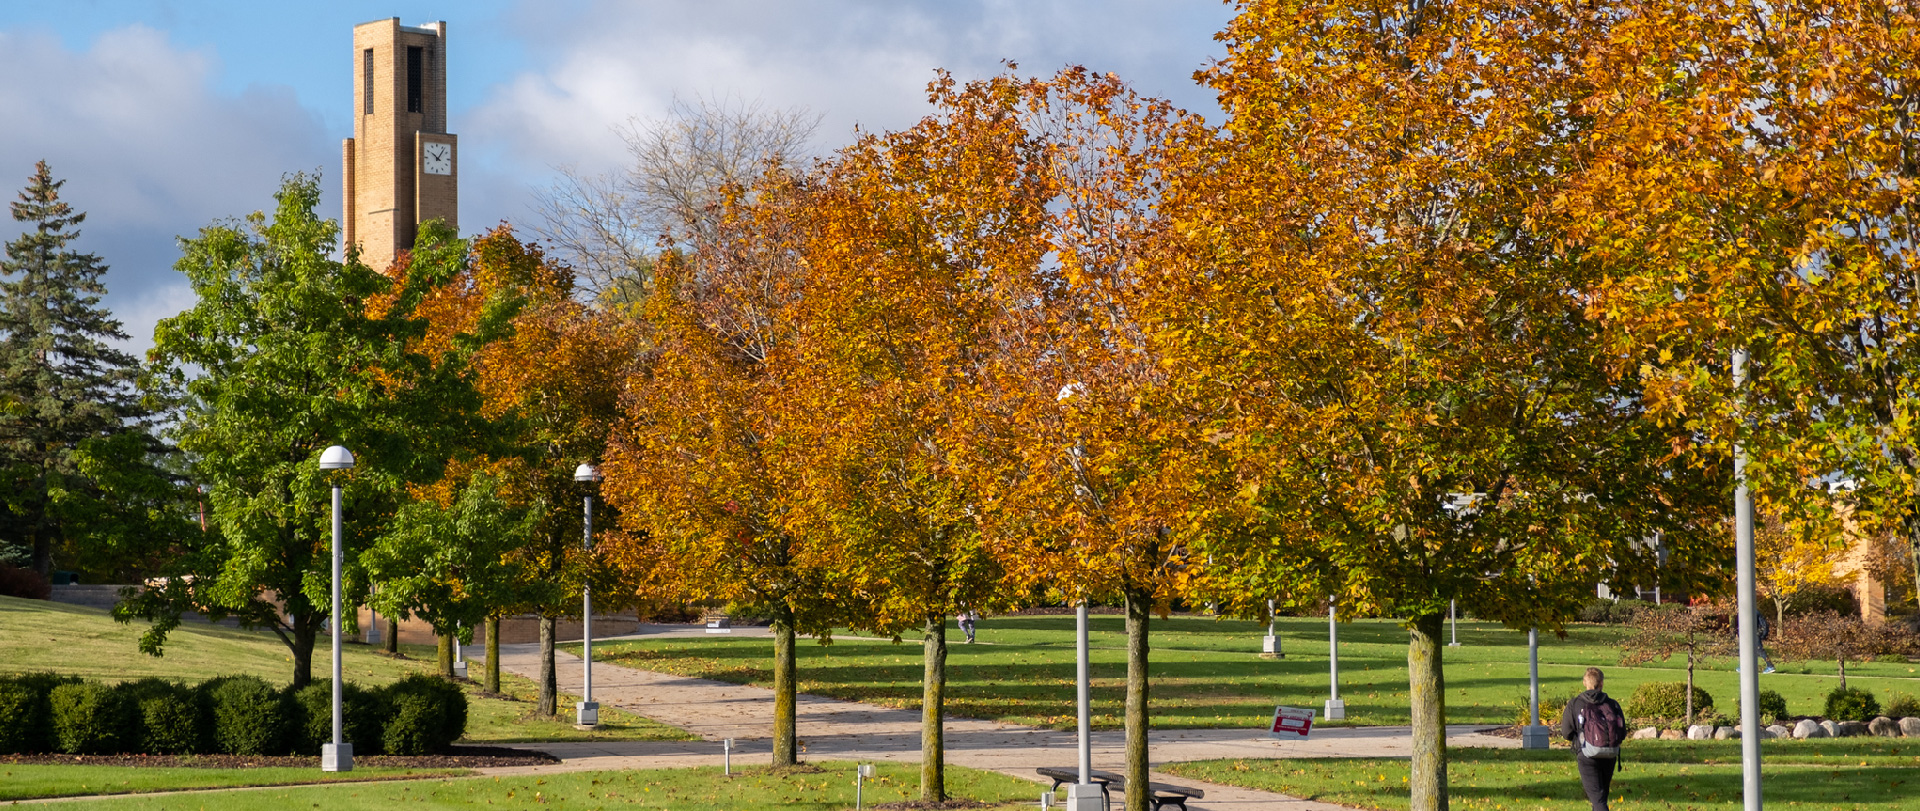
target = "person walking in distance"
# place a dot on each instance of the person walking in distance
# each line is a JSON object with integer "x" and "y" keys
{"x": 1762, "y": 629}
{"x": 966, "y": 623}
{"x": 1595, "y": 725}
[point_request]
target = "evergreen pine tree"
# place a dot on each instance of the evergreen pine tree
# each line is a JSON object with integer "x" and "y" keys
{"x": 61, "y": 380}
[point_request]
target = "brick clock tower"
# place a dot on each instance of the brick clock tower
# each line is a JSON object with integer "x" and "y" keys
{"x": 401, "y": 167}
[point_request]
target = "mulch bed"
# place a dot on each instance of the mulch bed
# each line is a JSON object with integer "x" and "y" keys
{"x": 460, "y": 757}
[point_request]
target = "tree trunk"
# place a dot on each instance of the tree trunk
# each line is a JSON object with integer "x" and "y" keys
{"x": 392, "y": 642}
{"x": 493, "y": 655}
{"x": 933, "y": 709}
{"x": 786, "y": 725}
{"x": 1138, "y": 608}
{"x": 306, "y": 628}
{"x": 1843, "y": 673}
{"x": 1427, "y": 687}
{"x": 549, "y": 683}
{"x": 445, "y": 652}
{"x": 1689, "y": 687}
{"x": 1913, "y": 549}
{"x": 42, "y": 555}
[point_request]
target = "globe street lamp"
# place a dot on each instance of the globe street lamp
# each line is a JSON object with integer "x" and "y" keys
{"x": 587, "y": 712}
{"x": 336, "y": 756}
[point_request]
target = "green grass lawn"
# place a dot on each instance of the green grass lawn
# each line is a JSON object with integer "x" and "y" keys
{"x": 1854, "y": 773}
{"x": 702, "y": 789}
{"x": 1208, "y": 673}
{"x": 20, "y": 782}
{"x": 37, "y": 635}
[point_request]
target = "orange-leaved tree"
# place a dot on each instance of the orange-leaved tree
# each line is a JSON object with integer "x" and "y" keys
{"x": 1080, "y": 446}
{"x": 1390, "y": 344}
{"x": 905, "y": 234}
{"x": 709, "y": 460}
{"x": 1752, "y": 185}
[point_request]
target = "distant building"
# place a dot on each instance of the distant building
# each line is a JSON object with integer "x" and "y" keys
{"x": 401, "y": 167}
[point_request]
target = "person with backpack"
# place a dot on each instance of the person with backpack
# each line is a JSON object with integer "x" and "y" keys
{"x": 1596, "y": 726}
{"x": 1762, "y": 630}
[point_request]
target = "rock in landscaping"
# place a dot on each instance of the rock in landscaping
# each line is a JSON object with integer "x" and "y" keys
{"x": 1672, "y": 735}
{"x": 1725, "y": 733}
{"x": 1910, "y": 727}
{"x": 1649, "y": 732}
{"x": 1777, "y": 731}
{"x": 1808, "y": 729}
{"x": 1699, "y": 732}
{"x": 1883, "y": 727}
{"x": 1849, "y": 729}
{"x": 1833, "y": 729}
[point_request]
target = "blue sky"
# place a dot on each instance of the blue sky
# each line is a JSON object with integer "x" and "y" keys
{"x": 167, "y": 115}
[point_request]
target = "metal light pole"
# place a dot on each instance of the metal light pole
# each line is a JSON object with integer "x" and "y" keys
{"x": 1534, "y": 736}
{"x": 336, "y": 756}
{"x": 587, "y": 712}
{"x": 1743, "y": 560}
{"x": 1336, "y": 709}
{"x": 1453, "y": 619}
{"x": 1270, "y": 647}
{"x": 1084, "y": 796}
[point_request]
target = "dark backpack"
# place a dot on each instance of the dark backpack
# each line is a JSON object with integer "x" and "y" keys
{"x": 1601, "y": 730}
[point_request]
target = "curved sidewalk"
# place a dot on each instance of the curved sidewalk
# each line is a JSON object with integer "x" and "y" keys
{"x": 846, "y": 730}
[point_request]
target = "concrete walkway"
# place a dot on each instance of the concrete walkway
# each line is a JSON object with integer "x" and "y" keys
{"x": 847, "y": 730}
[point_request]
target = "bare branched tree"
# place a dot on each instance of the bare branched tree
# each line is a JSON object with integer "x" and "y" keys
{"x": 610, "y": 226}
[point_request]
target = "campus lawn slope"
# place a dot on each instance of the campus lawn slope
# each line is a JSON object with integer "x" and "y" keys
{"x": 33, "y": 781}
{"x": 1850, "y": 775}
{"x": 37, "y": 635}
{"x": 826, "y": 786}
{"x": 1208, "y": 673}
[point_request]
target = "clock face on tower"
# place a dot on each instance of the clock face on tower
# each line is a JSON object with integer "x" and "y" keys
{"x": 436, "y": 158}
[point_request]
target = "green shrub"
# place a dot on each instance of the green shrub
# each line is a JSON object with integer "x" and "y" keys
{"x": 1894, "y": 658}
{"x": 26, "y": 717}
{"x": 363, "y": 716}
{"x": 87, "y": 719}
{"x": 162, "y": 718}
{"x": 1903, "y": 706}
{"x": 246, "y": 716}
{"x": 18, "y": 705}
{"x": 1851, "y": 704}
{"x": 1773, "y": 706}
{"x": 1665, "y": 699}
{"x": 427, "y": 714}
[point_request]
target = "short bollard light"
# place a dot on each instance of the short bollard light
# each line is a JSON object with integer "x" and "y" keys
{"x": 726, "y": 755}
{"x": 861, "y": 773}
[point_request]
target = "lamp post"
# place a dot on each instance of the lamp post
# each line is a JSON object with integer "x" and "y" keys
{"x": 336, "y": 756}
{"x": 1534, "y": 736}
{"x": 1084, "y": 795}
{"x": 1749, "y": 644}
{"x": 1453, "y": 619}
{"x": 1336, "y": 709}
{"x": 587, "y": 712}
{"x": 1270, "y": 646}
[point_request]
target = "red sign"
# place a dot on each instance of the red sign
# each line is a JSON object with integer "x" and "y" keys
{"x": 1290, "y": 723}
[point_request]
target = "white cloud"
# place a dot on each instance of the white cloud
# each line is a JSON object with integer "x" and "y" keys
{"x": 864, "y": 64}
{"x": 150, "y": 150}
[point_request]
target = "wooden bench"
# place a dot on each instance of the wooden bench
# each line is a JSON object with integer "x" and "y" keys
{"x": 1160, "y": 794}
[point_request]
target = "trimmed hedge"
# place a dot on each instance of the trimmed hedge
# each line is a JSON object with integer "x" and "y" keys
{"x": 363, "y": 717}
{"x": 87, "y": 718}
{"x": 246, "y": 716}
{"x": 162, "y": 718}
{"x": 1852, "y": 704}
{"x": 26, "y": 718}
{"x": 238, "y": 715}
{"x": 429, "y": 714}
{"x": 1665, "y": 699}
